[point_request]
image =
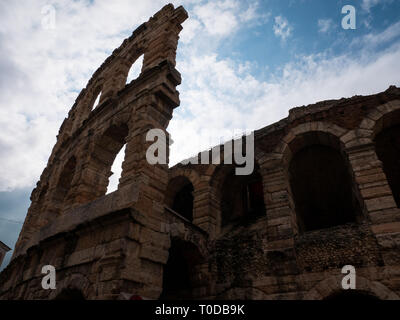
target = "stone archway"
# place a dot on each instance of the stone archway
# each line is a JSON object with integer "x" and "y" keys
{"x": 332, "y": 286}
{"x": 300, "y": 145}
{"x": 73, "y": 287}
{"x": 183, "y": 272}
{"x": 180, "y": 196}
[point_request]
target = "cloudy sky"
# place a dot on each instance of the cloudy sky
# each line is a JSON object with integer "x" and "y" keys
{"x": 244, "y": 64}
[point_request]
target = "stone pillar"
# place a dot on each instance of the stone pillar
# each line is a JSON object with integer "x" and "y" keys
{"x": 203, "y": 216}
{"x": 281, "y": 217}
{"x": 379, "y": 204}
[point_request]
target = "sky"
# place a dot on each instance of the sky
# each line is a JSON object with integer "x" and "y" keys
{"x": 244, "y": 64}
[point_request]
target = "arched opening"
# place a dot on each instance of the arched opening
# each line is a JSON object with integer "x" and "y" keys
{"x": 321, "y": 185}
{"x": 242, "y": 197}
{"x": 106, "y": 149}
{"x": 64, "y": 184}
{"x": 179, "y": 275}
{"x": 351, "y": 295}
{"x": 135, "y": 69}
{"x": 96, "y": 98}
{"x": 180, "y": 197}
{"x": 388, "y": 151}
{"x": 116, "y": 171}
{"x": 70, "y": 294}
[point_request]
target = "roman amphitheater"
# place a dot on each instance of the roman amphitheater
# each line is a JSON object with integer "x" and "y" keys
{"x": 325, "y": 193}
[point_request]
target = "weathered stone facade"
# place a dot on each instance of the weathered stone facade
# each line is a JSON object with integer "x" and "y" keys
{"x": 197, "y": 231}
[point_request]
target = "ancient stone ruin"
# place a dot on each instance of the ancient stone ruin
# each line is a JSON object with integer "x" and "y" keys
{"x": 325, "y": 193}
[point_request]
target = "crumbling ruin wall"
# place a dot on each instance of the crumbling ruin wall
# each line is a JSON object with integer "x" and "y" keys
{"x": 272, "y": 257}
{"x": 137, "y": 240}
{"x": 103, "y": 242}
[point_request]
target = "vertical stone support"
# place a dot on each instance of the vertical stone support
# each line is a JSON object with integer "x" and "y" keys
{"x": 378, "y": 200}
{"x": 379, "y": 204}
{"x": 281, "y": 218}
{"x": 163, "y": 46}
{"x": 152, "y": 179}
{"x": 203, "y": 216}
{"x": 90, "y": 182}
{"x": 116, "y": 80}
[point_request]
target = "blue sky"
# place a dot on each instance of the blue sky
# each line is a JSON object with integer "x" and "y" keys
{"x": 244, "y": 64}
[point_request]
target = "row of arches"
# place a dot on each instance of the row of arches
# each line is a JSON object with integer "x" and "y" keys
{"x": 183, "y": 289}
{"x": 319, "y": 175}
{"x": 180, "y": 283}
{"x": 130, "y": 72}
{"x": 105, "y": 84}
{"x": 94, "y": 171}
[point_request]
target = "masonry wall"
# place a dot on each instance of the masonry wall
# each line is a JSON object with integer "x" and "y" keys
{"x": 271, "y": 258}
{"x": 117, "y": 245}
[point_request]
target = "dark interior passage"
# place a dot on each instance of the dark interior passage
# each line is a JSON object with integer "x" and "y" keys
{"x": 388, "y": 151}
{"x": 179, "y": 272}
{"x": 322, "y": 188}
{"x": 70, "y": 294}
{"x": 183, "y": 201}
{"x": 242, "y": 197}
{"x": 351, "y": 295}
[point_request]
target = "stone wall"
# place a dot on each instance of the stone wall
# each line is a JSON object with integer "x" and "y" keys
{"x": 112, "y": 246}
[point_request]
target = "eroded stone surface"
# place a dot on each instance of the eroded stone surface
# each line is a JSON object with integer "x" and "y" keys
{"x": 134, "y": 242}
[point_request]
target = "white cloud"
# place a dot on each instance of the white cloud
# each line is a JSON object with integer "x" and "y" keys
{"x": 374, "y": 39}
{"x": 222, "y": 96}
{"x": 223, "y": 18}
{"x": 325, "y": 25}
{"x": 282, "y": 29}
{"x": 368, "y": 4}
{"x": 218, "y": 18}
{"x": 191, "y": 28}
{"x": 42, "y": 72}
{"x": 253, "y": 15}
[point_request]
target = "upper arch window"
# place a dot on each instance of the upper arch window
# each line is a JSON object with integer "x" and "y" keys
{"x": 321, "y": 183}
{"x": 135, "y": 69}
{"x": 116, "y": 170}
{"x": 96, "y": 98}
{"x": 107, "y": 148}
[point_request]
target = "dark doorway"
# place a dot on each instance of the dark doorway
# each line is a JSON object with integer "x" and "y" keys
{"x": 70, "y": 294}
{"x": 351, "y": 295}
{"x": 388, "y": 151}
{"x": 179, "y": 272}
{"x": 322, "y": 188}
{"x": 242, "y": 198}
{"x": 183, "y": 201}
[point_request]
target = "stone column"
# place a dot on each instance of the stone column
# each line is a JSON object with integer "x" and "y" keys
{"x": 379, "y": 204}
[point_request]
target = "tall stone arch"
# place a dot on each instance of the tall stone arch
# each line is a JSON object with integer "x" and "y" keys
{"x": 179, "y": 178}
{"x": 73, "y": 282}
{"x": 282, "y": 222}
{"x": 218, "y": 176}
{"x": 146, "y": 103}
